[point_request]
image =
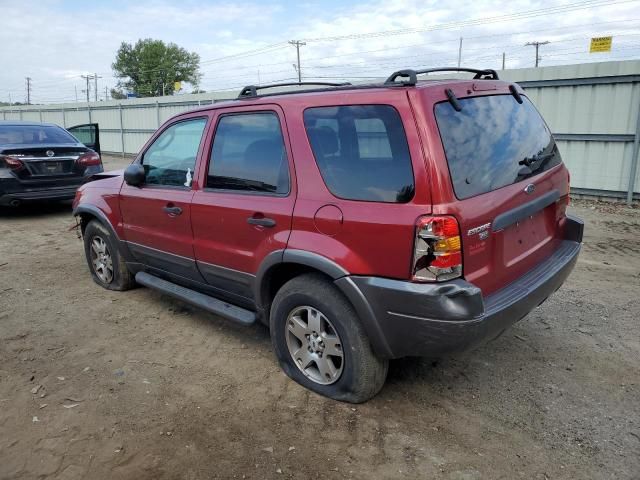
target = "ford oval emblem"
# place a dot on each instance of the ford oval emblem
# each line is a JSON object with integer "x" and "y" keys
{"x": 530, "y": 188}
{"x": 50, "y": 153}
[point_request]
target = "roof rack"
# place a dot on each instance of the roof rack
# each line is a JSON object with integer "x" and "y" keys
{"x": 412, "y": 75}
{"x": 252, "y": 90}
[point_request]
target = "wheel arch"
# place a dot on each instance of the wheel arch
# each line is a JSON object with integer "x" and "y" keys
{"x": 87, "y": 213}
{"x": 281, "y": 266}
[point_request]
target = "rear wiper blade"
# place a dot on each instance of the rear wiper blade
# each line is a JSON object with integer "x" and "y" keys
{"x": 536, "y": 158}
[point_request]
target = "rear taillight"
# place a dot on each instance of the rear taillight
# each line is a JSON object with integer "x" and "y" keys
{"x": 89, "y": 159}
{"x": 437, "y": 255}
{"x": 12, "y": 163}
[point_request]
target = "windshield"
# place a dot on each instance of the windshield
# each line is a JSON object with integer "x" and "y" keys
{"x": 34, "y": 135}
{"x": 493, "y": 142}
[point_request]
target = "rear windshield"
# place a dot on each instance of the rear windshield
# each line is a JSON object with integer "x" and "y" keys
{"x": 34, "y": 135}
{"x": 493, "y": 142}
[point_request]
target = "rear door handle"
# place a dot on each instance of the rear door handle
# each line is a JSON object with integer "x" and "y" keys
{"x": 172, "y": 210}
{"x": 262, "y": 221}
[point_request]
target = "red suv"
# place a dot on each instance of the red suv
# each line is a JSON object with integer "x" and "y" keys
{"x": 360, "y": 223}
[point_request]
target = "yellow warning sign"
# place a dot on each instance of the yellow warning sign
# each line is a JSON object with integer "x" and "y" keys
{"x": 177, "y": 86}
{"x": 600, "y": 44}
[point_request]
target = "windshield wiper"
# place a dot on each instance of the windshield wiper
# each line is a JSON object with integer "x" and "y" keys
{"x": 241, "y": 183}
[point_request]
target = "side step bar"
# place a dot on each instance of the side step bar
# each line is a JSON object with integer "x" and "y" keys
{"x": 210, "y": 304}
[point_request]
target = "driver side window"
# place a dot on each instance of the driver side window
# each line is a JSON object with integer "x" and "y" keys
{"x": 171, "y": 158}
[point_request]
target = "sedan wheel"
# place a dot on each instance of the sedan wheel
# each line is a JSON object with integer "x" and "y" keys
{"x": 314, "y": 345}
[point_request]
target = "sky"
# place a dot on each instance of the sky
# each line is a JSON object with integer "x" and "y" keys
{"x": 56, "y": 41}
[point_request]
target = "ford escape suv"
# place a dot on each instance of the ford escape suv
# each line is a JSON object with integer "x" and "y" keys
{"x": 360, "y": 223}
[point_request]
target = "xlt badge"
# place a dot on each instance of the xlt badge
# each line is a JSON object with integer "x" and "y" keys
{"x": 479, "y": 229}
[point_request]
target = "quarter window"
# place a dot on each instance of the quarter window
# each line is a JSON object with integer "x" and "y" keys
{"x": 248, "y": 154}
{"x": 171, "y": 158}
{"x": 361, "y": 152}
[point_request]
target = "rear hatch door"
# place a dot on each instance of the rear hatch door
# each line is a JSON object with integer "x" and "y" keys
{"x": 509, "y": 187}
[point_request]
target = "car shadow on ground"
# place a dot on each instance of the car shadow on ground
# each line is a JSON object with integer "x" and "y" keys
{"x": 455, "y": 372}
{"x": 36, "y": 209}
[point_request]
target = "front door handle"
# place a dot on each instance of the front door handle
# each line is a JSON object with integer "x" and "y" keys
{"x": 261, "y": 221}
{"x": 172, "y": 210}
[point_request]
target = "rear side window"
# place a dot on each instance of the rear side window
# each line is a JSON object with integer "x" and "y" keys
{"x": 493, "y": 142}
{"x": 362, "y": 152}
{"x": 248, "y": 154}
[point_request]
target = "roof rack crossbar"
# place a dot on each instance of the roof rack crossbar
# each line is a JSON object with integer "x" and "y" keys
{"x": 252, "y": 90}
{"x": 411, "y": 76}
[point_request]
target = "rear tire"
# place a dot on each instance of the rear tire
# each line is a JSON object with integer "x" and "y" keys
{"x": 320, "y": 342}
{"x": 108, "y": 268}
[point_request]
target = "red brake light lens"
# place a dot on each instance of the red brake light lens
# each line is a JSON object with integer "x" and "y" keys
{"x": 89, "y": 159}
{"x": 12, "y": 163}
{"x": 437, "y": 252}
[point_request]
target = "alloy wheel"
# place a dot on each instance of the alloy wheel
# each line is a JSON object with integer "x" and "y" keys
{"x": 314, "y": 345}
{"x": 101, "y": 259}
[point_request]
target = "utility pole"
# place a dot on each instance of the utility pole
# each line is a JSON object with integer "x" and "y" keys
{"x": 106, "y": 96}
{"x": 503, "y": 60}
{"x": 76, "y": 90}
{"x": 298, "y": 44}
{"x": 28, "y": 80}
{"x": 460, "y": 53}
{"x": 537, "y": 45}
{"x": 87, "y": 78}
{"x": 95, "y": 84}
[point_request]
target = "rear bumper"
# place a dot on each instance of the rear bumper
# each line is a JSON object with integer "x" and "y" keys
{"x": 412, "y": 319}
{"x": 11, "y": 191}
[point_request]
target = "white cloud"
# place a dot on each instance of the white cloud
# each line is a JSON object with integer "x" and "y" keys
{"x": 54, "y": 42}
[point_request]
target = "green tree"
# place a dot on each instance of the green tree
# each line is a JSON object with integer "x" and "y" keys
{"x": 117, "y": 94}
{"x": 150, "y": 67}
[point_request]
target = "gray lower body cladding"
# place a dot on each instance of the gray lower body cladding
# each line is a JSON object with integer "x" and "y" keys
{"x": 433, "y": 320}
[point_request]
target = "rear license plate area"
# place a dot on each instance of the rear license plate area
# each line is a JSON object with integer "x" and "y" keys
{"x": 50, "y": 167}
{"x": 54, "y": 167}
{"x": 526, "y": 236}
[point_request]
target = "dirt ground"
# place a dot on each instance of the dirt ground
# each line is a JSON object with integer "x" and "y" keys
{"x": 97, "y": 384}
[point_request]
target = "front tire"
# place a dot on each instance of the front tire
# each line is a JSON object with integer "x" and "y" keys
{"x": 108, "y": 268}
{"x": 320, "y": 342}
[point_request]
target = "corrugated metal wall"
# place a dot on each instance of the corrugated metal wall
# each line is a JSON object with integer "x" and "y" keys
{"x": 593, "y": 110}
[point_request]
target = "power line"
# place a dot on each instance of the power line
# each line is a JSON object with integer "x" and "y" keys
{"x": 473, "y": 22}
{"x": 478, "y": 21}
{"x": 281, "y": 45}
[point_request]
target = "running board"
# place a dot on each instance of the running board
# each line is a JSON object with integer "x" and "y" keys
{"x": 206, "y": 302}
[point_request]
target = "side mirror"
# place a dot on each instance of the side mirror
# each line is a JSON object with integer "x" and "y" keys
{"x": 134, "y": 175}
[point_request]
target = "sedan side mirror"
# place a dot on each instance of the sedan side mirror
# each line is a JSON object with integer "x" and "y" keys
{"x": 134, "y": 175}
